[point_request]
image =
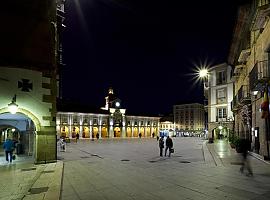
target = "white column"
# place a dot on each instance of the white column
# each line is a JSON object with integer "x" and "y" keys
{"x": 81, "y": 130}
{"x": 132, "y": 131}
{"x": 124, "y": 132}
{"x": 90, "y": 131}
{"x": 111, "y": 131}
{"x": 69, "y": 131}
{"x": 99, "y": 131}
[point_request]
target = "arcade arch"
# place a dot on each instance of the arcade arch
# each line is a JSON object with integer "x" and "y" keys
{"x": 21, "y": 128}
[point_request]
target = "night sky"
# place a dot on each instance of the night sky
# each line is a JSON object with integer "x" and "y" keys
{"x": 146, "y": 50}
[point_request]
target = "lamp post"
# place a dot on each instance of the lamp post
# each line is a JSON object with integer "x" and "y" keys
{"x": 203, "y": 75}
{"x": 13, "y": 107}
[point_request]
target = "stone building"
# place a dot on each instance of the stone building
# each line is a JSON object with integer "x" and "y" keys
{"x": 249, "y": 54}
{"x": 189, "y": 119}
{"x": 218, "y": 90}
{"x": 30, "y": 59}
{"x": 110, "y": 121}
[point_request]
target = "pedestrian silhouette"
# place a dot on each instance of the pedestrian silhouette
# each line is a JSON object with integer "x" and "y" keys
{"x": 9, "y": 148}
{"x": 161, "y": 145}
{"x": 97, "y": 136}
{"x": 245, "y": 144}
{"x": 77, "y": 137}
{"x": 169, "y": 145}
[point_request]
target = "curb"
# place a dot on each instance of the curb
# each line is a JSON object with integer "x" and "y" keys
{"x": 259, "y": 157}
{"x": 48, "y": 185}
{"x": 207, "y": 155}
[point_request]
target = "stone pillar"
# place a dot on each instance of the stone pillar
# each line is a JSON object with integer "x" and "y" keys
{"x": 45, "y": 148}
{"x": 111, "y": 131}
{"x": 124, "y": 132}
{"x": 91, "y": 131}
{"x": 81, "y": 130}
{"x": 69, "y": 131}
{"x": 99, "y": 131}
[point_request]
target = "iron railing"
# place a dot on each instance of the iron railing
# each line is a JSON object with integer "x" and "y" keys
{"x": 243, "y": 94}
{"x": 259, "y": 75}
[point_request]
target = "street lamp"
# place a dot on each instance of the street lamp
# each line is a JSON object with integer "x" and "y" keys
{"x": 203, "y": 73}
{"x": 13, "y": 107}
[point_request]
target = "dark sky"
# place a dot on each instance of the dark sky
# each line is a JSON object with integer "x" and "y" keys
{"x": 144, "y": 49}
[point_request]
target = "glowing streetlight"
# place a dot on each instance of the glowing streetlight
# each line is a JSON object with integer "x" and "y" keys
{"x": 13, "y": 107}
{"x": 203, "y": 73}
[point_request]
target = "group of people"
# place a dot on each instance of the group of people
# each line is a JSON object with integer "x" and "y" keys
{"x": 169, "y": 145}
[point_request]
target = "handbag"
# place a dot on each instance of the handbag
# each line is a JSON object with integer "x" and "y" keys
{"x": 13, "y": 157}
{"x": 172, "y": 150}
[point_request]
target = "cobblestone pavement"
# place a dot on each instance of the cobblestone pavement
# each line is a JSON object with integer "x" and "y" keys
{"x": 132, "y": 169}
{"x": 24, "y": 180}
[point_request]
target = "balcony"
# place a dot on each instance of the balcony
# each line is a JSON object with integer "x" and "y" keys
{"x": 259, "y": 75}
{"x": 244, "y": 95}
{"x": 221, "y": 119}
{"x": 263, "y": 10}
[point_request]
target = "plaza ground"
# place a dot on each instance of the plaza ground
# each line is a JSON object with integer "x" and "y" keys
{"x": 132, "y": 169}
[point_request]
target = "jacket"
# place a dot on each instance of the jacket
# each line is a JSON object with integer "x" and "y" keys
{"x": 8, "y": 145}
{"x": 169, "y": 142}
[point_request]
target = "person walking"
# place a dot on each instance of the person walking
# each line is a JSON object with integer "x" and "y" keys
{"x": 161, "y": 145}
{"x": 77, "y": 137}
{"x": 245, "y": 160}
{"x": 8, "y": 147}
{"x": 169, "y": 145}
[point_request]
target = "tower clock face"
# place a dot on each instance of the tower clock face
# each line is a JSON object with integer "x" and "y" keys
{"x": 117, "y": 104}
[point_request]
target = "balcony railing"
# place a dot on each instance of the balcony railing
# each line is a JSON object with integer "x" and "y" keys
{"x": 244, "y": 94}
{"x": 259, "y": 75}
{"x": 221, "y": 119}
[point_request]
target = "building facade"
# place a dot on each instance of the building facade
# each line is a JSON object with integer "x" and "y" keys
{"x": 189, "y": 119}
{"x": 110, "y": 122}
{"x": 250, "y": 53}
{"x": 218, "y": 89}
{"x": 167, "y": 126}
{"x": 29, "y": 65}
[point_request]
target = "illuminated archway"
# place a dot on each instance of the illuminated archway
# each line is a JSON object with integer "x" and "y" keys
{"x": 148, "y": 134}
{"x": 86, "y": 132}
{"x": 117, "y": 132}
{"x": 27, "y": 114}
{"x": 95, "y": 131}
{"x": 129, "y": 133}
{"x": 75, "y": 130}
{"x": 104, "y": 132}
{"x": 135, "y": 132}
{"x": 64, "y": 131}
{"x": 142, "y": 132}
{"x": 22, "y": 128}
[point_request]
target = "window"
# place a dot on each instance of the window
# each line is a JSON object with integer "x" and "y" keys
{"x": 221, "y": 113}
{"x": 221, "y": 77}
{"x": 64, "y": 119}
{"x": 221, "y": 95}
